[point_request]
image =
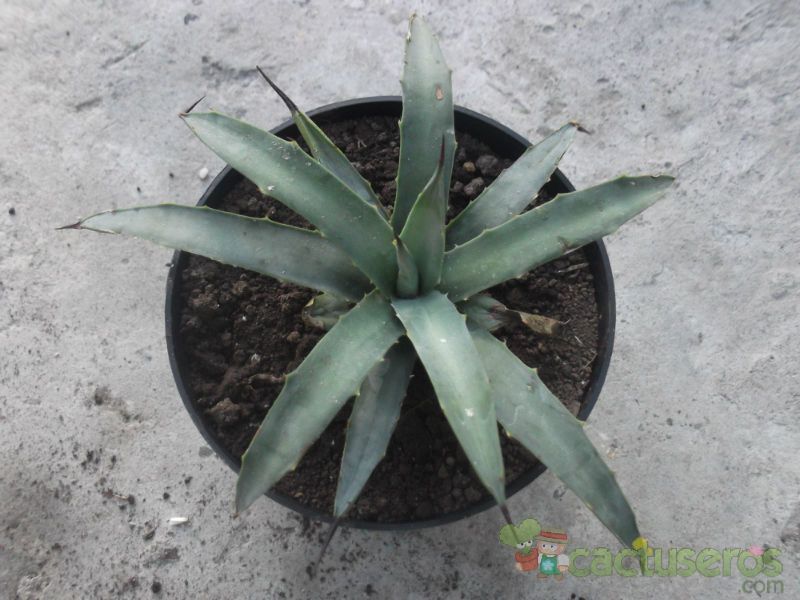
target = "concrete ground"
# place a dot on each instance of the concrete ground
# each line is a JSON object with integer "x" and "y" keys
{"x": 699, "y": 416}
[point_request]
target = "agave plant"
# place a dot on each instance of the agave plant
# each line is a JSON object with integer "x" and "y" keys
{"x": 404, "y": 285}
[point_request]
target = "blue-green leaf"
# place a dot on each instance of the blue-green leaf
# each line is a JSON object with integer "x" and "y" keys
{"x": 515, "y": 189}
{"x": 407, "y": 272}
{"x": 282, "y": 170}
{"x": 375, "y": 413}
{"x": 533, "y": 238}
{"x": 325, "y": 310}
{"x": 286, "y": 253}
{"x": 427, "y": 119}
{"x": 326, "y": 152}
{"x": 314, "y": 393}
{"x": 443, "y": 344}
{"x": 423, "y": 233}
{"x": 532, "y": 415}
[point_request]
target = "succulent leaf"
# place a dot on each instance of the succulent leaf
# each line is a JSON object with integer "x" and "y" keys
{"x": 286, "y": 253}
{"x": 443, "y": 344}
{"x": 491, "y": 314}
{"x": 515, "y": 189}
{"x": 314, "y": 393}
{"x": 533, "y": 238}
{"x": 326, "y": 152}
{"x": 423, "y": 233}
{"x": 375, "y": 413}
{"x": 325, "y": 310}
{"x": 282, "y": 170}
{"x": 427, "y": 117}
{"x": 407, "y": 272}
{"x": 536, "y": 418}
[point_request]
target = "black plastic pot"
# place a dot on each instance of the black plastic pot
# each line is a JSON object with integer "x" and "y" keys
{"x": 504, "y": 142}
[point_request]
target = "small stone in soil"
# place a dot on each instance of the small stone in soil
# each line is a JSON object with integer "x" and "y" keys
{"x": 12, "y": 211}
{"x": 489, "y": 165}
{"x": 472, "y": 495}
{"x": 156, "y": 587}
{"x": 225, "y": 412}
{"x": 474, "y": 187}
{"x": 460, "y": 480}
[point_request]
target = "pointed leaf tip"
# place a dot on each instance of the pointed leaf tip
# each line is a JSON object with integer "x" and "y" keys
{"x": 580, "y": 127}
{"x": 286, "y": 100}
{"x": 506, "y": 513}
{"x": 328, "y": 537}
{"x": 72, "y": 226}
{"x": 541, "y": 423}
{"x": 191, "y": 108}
{"x": 427, "y": 115}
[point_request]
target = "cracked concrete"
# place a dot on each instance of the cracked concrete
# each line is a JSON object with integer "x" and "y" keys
{"x": 699, "y": 415}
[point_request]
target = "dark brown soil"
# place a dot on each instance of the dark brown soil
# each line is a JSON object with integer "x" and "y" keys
{"x": 243, "y": 332}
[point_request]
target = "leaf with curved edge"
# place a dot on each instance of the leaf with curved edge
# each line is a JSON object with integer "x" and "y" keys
{"x": 533, "y": 238}
{"x": 314, "y": 393}
{"x": 326, "y": 152}
{"x": 325, "y": 310}
{"x": 513, "y": 190}
{"x": 536, "y": 418}
{"x": 282, "y": 170}
{"x": 423, "y": 233}
{"x": 375, "y": 413}
{"x": 491, "y": 314}
{"x": 443, "y": 344}
{"x": 286, "y": 253}
{"x": 427, "y": 116}
{"x": 407, "y": 272}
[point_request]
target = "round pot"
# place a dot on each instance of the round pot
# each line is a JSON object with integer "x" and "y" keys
{"x": 527, "y": 562}
{"x": 497, "y": 137}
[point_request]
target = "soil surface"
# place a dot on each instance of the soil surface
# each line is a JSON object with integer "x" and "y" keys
{"x": 242, "y": 332}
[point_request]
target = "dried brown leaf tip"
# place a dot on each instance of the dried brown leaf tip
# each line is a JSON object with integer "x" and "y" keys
{"x": 580, "y": 127}
{"x": 195, "y": 103}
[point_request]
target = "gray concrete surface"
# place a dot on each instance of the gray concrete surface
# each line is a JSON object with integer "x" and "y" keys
{"x": 699, "y": 416}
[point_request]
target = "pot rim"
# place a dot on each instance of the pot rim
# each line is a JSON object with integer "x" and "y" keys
{"x": 604, "y": 295}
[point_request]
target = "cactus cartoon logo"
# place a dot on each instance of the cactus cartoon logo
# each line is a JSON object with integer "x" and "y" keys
{"x": 537, "y": 549}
